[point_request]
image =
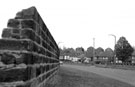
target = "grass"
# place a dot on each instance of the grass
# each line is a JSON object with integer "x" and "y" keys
{"x": 124, "y": 67}
{"x": 69, "y": 77}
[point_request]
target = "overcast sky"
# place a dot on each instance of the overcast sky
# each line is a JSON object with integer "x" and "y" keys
{"x": 77, "y": 22}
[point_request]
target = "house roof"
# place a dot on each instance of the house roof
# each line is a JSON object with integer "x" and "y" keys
{"x": 81, "y": 56}
{"x": 102, "y": 54}
{"x": 106, "y": 54}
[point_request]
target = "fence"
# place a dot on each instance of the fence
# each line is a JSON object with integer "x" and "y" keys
{"x": 29, "y": 54}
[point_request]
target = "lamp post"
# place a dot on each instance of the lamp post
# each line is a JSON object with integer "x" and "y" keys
{"x": 93, "y": 49}
{"x": 60, "y": 51}
{"x": 59, "y": 43}
{"x": 114, "y": 46}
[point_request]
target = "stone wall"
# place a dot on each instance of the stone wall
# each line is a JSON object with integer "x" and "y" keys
{"x": 29, "y": 55}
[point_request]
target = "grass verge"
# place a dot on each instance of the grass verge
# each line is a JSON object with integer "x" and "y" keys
{"x": 69, "y": 77}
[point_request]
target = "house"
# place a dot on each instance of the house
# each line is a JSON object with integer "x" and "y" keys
{"x": 61, "y": 57}
{"x": 104, "y": 57}
{"x": 67, "y": 58}
{"x": 133, "y": 57}
{"x": 75, "y": 59}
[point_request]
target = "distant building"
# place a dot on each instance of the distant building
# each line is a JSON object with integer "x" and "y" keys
{"x": 67, "y": 58}
{"x": 133, "y": 57}
{"x": 75, "y": 59}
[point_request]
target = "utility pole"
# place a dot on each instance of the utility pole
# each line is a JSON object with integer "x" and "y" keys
{"x": 59, "y": 43}
{"x": 114, "y": 47}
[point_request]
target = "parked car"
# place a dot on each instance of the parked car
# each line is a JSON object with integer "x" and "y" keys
{"x": 61, "y": 62}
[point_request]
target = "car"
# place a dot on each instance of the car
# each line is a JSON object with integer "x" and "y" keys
{"x": 61, "y": 62}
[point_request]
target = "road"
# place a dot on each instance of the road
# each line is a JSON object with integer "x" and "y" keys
{"x": 126, "y": 76}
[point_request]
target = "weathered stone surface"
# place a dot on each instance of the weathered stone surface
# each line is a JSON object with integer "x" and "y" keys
{"x": 14, "y": 23}
{"x": 28, "y": 52}
{"x": 41, "y": 50}
{"x": 11, "y": 33}
{"x": 6, "y": 33}
{"x": 16, "y": 33}
{"x": 22, "y": 23}
{"x": 38, "y": 71}
{"x": 10, "y": 44}
{"x": 45, "y": 45}
{"x": 37, "y": 39}
{"x": 17, "y": 58}
{"x": 7, "y": 58}
{"x": 28, "y": 34}
{"x": 27, "y": 58}
{"x": 29, "y": 24}
{"x": 30, "y": 13}
{"x": 11, "y": 75}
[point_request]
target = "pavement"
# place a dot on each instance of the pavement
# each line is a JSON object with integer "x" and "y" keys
{"x": 127, "y": 76}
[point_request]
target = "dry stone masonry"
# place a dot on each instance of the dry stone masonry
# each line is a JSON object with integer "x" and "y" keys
{"x": 29, "y": 55}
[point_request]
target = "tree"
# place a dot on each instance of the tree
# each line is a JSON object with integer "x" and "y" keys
{"x": 123, "y": 49}
{"x": 98, "y": 51}
{"x": 72, "y": 52}
{"x": 89, "y": 52}
{"x": 79, "y": 51}
{"x": 109, "y": 53}
{"x": 67, "y": 52}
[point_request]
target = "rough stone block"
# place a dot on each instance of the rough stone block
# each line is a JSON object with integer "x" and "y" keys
{"x": 45, "y": 60}
{"x": 11, "y": 75}
{"x": 30, "y": 13}
{"x": 22, "y": 23}
{"x": 44, "y": 44}
{"x": 33, "y": 72}
{"x": 38, "y": 71}
{"x": 35, "y": 48}
{"x": 48, "y": 74}
{"x": 15, "y": 36}
{"x": 28, "y": 58}
{"x": 24, "y": 85}
{"x": 49, "y": 54}
{"x": 37, "y": 39}
{"x": 28, "y": 34}
{"x": 38, "y": 30}
{"x": 16, "y": 33}
{"x": 47, "y": 68}
{"x": 44, "y": 28}
{"x": 12, "y": 44}
{"x": 41, "y": 50}
{"x": 28, "y": 73}
{"x": 36, "y": 59}
{"x": 6, "y": 33}
{"x": 19, "y": 58}
{"x": 11, "y": 33}
{"x": 43, "y": 35}
{"x": 14, "y": 23}
{"x": 7, "y": 58}
{"x": 29, "y": 24}
{"x": 44, "y": 77}
{"x": 43, "y": 68}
